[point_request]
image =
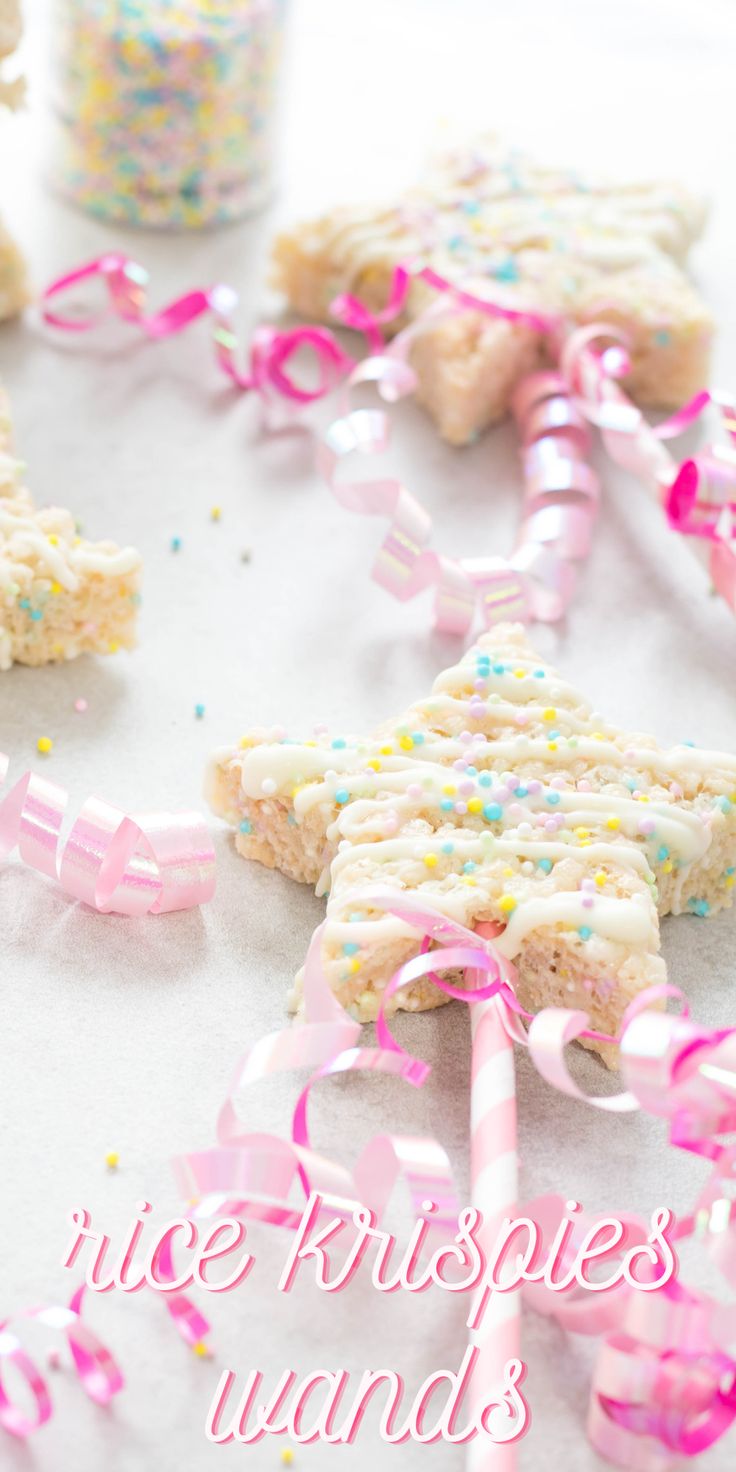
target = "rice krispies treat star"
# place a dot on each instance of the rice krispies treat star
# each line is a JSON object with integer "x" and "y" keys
{"x": 538, "y": 237}
{"x": 60, "y": 595}
{"x": 14, "y": 293}
{"x": 501, "y": 797}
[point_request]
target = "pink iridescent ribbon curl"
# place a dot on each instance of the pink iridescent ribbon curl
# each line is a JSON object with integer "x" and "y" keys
{"x": 113, "y": 862}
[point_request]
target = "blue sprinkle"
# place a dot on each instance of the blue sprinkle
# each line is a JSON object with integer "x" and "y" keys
{"x": 471, "y": 771}
{"x": 724, "y": 804}
{"x": 338, "y": 743}
{"x": 455, "y": 242}
{"x": 522, "y": 791}
{"x": 291, "y": 820}
{"x": 470, "y": 867}
{"x": 545, "y": 865}
{"x": 687, "y": 743}
{"x": 417, "y": 737}
{"x": 471, "y": 206}
{"x": 553, "y": 735}
{"x": 492, "y": 812}
{"x": 350, "y": 947}
{"x": 585, "y": 932}
{"x": 485, "y": 779}
{"x": 447, "y": 804}
{"x": 662, "y": 338}
{"x": 499, "y": 669}
{"x": 698, "y": 907}
{"x": 448, "y": 848}
{"x": 25, "y": 603}
{"x": 199, "y": 711}
{"x": 342, "y": 795}
{"x": 731, "y": 871}
{"x": 246, "y": 826}
{"x": 552, "y": 798}
{"x": 539, "y": 674}
{"x": 663, "y": 853}
{"x": 36, "y": 614}
{"x": 176, "y": 544}
{"x": 631, "y": 784}
{"x": 507, "y": 271}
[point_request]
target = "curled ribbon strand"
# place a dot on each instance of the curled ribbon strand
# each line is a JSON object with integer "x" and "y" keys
{"x": 128, "y": 865}
{"x": 562, "y": 491}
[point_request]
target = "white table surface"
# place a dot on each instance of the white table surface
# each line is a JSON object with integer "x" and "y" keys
{"x": 122, "y": 1034}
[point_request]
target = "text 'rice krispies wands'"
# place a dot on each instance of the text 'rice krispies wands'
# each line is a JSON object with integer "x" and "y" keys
{"x": 60, "y": 595}
{"x": 551, "y": 239}
{"x": 501, "y": 797}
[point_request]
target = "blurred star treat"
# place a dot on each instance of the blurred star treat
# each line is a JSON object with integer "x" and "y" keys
{"x": 525, "y": 236}
{"x": 60, "y": 595}
{"x": 166, "y": 108}
{"x": 13, "y": 288}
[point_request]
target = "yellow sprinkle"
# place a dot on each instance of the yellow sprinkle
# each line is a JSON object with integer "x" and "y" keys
{"x": 585, "y": 842}
{"x": 216, "y": 513}
{"x": 507, "y": 903}
{"x": 475, "y": 805}
{"x": 44, "y": 744}
{"x": 668, "y": 866}
{"x": 430, "y": 860}
{"x": 613, "y": 822}
{"x": 200, "y": 1349}
{"x": 55, "y": 587}
{"x": 468, "y": 879}
{"x": 643, "y": 797}
{"x": 508, "y": 872}
{"x": 582, "y": 833}
{"x": 374, "y": 764}
{"x": 729, "y": 877}
{"x": 598, "y": 736}
{"x": 551, "y": 745}
{"x": 520, "y": 674}
{"x": 385, "y": 750}
{"x": 600, "y": 878}
{"x": 450, "y": 789}
{"x": 355, "y": 965}
{"x": 245, "y": 741}
{"x": 310, "y": 743}
{"x": 287, "y": 1456}
{"x": 113, "y": 646}
{"x": 53, "y": 539}
{"x": 406, "y": 743}
{"x": 550, "y": 714}
{"x": 112, "y": 1160}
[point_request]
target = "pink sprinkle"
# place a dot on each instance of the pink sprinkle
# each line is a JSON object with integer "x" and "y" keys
{"x": 646, "y": 825}
{"x": 467, "y": 787}
{"x": 584, "y": 785}
{"x": 557, "y": 781}
{"x": 461, "y": 808}
{"x": 320, "y": 730}
{"x": 514, "y": 810}
{"x": 587, "y": 901}
{"x": 80, "y": 705}
{"x": 522, "y": 717}
{"x": 550, "y": 825}
{"x": 391, "y": 823}
{"x": 460, "y": 765}
{"x": 479, "y": 684}
{"x": 587, "y": 885}
{"x": 465, "y": 737}
{"x": 534, "y": 787}
{"x": 629, "y": 756}
{"x": 675, "y": 789}
{"x": 414, "y": 790}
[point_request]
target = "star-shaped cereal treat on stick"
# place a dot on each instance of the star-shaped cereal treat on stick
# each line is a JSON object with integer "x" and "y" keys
{"x": 549, "y": 239}
{"x": 60, "y": 595}
{"x": 501, "y": 797}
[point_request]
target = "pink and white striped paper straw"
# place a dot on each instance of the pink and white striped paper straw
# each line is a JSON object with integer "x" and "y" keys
{"x": 495, "y": 1190}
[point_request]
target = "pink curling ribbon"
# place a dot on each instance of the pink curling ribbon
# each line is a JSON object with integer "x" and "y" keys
{"x": 129, "y": 865}
{"x": 698, "y": 496}
{"x": 93, "y": 1364}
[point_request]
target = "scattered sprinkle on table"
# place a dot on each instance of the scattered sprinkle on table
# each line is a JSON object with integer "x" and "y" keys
{"x": 287, "y": 1456}
{"x": 199, "y": 711}
{"x": 112, "y": 1160}
{"x": 44, "y": 745}
{"x": 201, "y": 1350}
{"x": 176, "y": 544}
{"x": 216, "y": 513}
{"x": 80, "y": 705}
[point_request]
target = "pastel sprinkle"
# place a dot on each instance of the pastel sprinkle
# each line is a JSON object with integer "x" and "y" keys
{"x": 245, "y": 825}
{"x": 80, "y": 704}
{"x": 507, "y": 903}
{"x": 492, "y": 812}
{"x": 44, "y": 745}
{"x": 176, "y": 544}
{"x": 350, "y": 947}
{"x": 585, "y": 932}
{"x": 342, "y": 795}
{"x": 199, "y": 711}
{"x": 112, "y": 1160}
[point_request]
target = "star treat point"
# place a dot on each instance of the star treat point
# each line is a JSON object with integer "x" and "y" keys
{"x": 552, "y": 240}
{"x": 60, "y": 595}
{"x": 503, "y": 798}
